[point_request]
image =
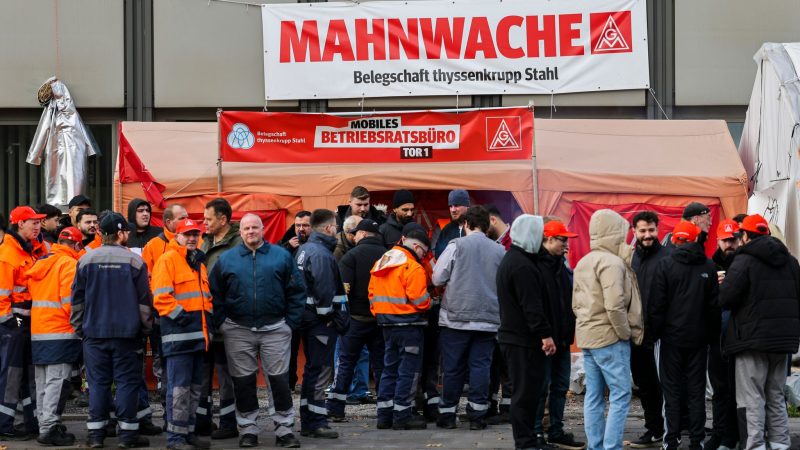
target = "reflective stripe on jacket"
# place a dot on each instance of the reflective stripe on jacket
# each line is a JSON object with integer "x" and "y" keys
{"x": 398, "y": 289}
{"x": 14, "y": 262}
{"x": 53, "y": 340}
{"x": 179, "y": 290}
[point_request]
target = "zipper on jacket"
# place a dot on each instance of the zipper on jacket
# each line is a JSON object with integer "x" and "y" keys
{"x": 255, "y": 288}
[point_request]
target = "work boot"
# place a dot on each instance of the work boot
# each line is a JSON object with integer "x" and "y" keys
{"x": 567, "y": 441}
{"x": 137, "y": 442}
{"x": 320, "y": 433}
{"x": 198, "y": 443}
{"x": 57, "y": 435}
{"x": 477, "y": 424}
{"x": 181, "y": 446}
{"x": 448, "y": 423}
{"x": 148, "y": 428}
{"x": 287, "y": 441}
{"x": 416, "y": 422}
{"x": 248, "y": 440}
{"x": 95, "y": 442}
{"x": 15, "y": 435}
{"x": 499, "y": 419}
{"x": 384, "y": 425}
{"x": 224, "y": 433}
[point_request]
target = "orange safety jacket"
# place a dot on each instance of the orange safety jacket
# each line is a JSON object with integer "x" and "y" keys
{"x": 398, "y": 289}
{"x": 155, "y": 248}
{"x": 53, "y": 339}
{"x": 182, "y": 298}
{"x": 96, "y": 243}
{"x": 14, "y": 262}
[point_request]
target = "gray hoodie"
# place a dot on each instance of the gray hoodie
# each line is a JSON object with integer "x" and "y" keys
{"x": 527, "y": 231}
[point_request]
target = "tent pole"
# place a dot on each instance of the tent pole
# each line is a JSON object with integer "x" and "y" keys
{"x": 533, "y": 167}
{"x": 219, "y": 154}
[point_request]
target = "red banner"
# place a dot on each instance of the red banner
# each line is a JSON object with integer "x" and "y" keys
{"x": 483, "y": 135}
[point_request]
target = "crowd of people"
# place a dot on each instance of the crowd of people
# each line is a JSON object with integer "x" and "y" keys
{"x": 480, "y": 308}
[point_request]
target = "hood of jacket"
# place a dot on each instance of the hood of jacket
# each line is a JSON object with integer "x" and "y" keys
{"x": 326, "y": 241}
{"x": 133, "y": 205}
{"x": 526, "y": 233}
{"x": 42, "y": 267}
{"x": 768, "y": 249}
{"x": 607, "y": 231}
{"x": 691, "y": 253}
{"x": 396, "y": 257}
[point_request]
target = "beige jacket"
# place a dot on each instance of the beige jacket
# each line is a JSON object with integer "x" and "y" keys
{"x": 605, "y": 296}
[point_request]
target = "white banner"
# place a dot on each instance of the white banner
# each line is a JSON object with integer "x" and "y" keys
{"x": 457, "y": 47}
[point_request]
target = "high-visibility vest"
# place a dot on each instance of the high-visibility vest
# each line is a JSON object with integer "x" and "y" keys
{"x": 53, "y": 339}
{"x": 14, "y": 262}
{"x": 179, "y": 289}
{"x": 96, "y": 243}
{"x": 398, "y": 289}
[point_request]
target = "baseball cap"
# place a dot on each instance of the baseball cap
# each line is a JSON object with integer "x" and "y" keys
{"x": 727, "y": 229}
{"x": 556, "y": 228}
{"x": 22, "y": 213}
{"x": 413, "y": 230}
{"x": 79, "y": 200}
{"x": 685, "y": 230}
{"x": 695, "y": 209}
{"x": 367, "y": 225}
{"x": 755, "y": 224}
{"x": 186, "y": 225}
{"x": 112, "y": 223}
{"x": 71, "y": 234}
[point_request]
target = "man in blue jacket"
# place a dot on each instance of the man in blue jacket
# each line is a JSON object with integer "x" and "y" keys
{"x": 258, "y": 300}
{"x": 111, "y": 311}
{"x": 324, "y": 317}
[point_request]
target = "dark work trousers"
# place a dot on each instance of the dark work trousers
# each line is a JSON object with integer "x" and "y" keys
{"x": 677, "y": 366}
{"x": 557, "y": 369}
{"x": 465, "y": 353}
{"x": 293, "y": 359}
{"x": 117, "y": 361}
{"x": 723, "y": 404}
{"x": 500, "y": 402}
{"x": 184, "y": 383}
{"x": 144, "y": 413}
{"x": 16, "y": 375}
{"x": 215, "y": 358}
{"x": 431, "y": 360}
{"x": 645, "y": 376}
{"x": 319, "y": 343}
{"x": 402, "y": 363}
{"x": 526, "y": 370}
{"x": 358, "y": 335}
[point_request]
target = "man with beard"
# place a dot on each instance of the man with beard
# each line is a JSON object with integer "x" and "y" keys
{"x": 681, "y": 319}
{"x": 403, "y": 209}
{"x": 87, "y": 224}
{"x": 725, "y": 428}
{"x": 298, "y": 234}
{"x": 499, "y": 230}
{"x": 647, "y": 254}
{"x": 359, "y": 205}
{"x": 698, "y": 214}
{"x": 457, "y": 203}
{"x": 49, "y": 223}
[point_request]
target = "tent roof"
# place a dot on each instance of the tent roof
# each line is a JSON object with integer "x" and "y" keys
{"x": 689, "y": 158}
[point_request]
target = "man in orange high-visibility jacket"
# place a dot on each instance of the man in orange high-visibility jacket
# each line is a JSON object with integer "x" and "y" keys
{"x": 54, "y": 344}
{"x": 87, "y": 224}
{"x": 399, "y": 299}
{"x": 152, "y": 251}
{"x": 183, "y": 300}
{"x": 20, "y": 249}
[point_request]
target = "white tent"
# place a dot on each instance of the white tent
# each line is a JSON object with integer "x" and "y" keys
{"x": 770, "y": 145}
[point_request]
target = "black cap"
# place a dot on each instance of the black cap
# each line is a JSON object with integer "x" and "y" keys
{"x": 413, "y": 230}
{"x": 402, "y": 197}
{"x": 79, "y": 200}
{"x": 112, "y": 223}
{"x": 695, "y": 209}
{"x": 368, "y": 225}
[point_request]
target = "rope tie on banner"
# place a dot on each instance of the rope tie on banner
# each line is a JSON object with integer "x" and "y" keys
{"x": 658, "y": 103}
{"x": 456, "y": 101}
{"x": 266, "y": 104}
{"x": 552, "y": 104}
{"x": 361, "y": 104}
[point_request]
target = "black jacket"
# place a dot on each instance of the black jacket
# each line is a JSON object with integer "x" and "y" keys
{"x": 762, "y": 290}
{"x": 326, "y": 300}
{"x": 343, "y": 212}
{"x": 684, "y": 297}
{"x": 355, "y": 268}
{"x": 138, "y": 239}
{"x": 558, "y": 287}
{"x": 644, "y": 263}
{"x": 392, "y": 231}
{"x": 721, "y": 260}
{"x": 521, "y": 293}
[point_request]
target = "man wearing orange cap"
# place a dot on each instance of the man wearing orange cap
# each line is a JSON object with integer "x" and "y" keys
{"x": 725, "y": 427}
{"x": 762, "y": 291}
{"x": 20, "y": 249}
{"x": 558, "y": 294}
{"x": 54, "y": 344}
{"x": 681, "y": 318}
{"x": 182, "y": 297}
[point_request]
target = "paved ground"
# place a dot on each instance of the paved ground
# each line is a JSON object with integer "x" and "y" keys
{"x": 360, "y": 432}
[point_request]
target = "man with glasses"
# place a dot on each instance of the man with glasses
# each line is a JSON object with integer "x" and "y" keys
{"x": 298, "y": 234}
{"x": 325, "y": 316}
{"x": 399, "y": 300}
{"x": 698, "y": 214}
